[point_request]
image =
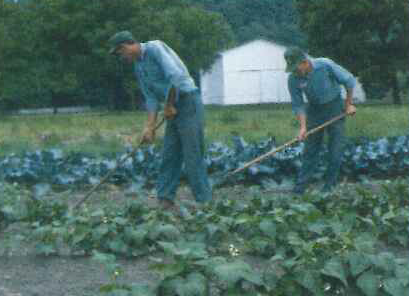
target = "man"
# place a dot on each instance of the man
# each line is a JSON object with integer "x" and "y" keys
{"x": 163, "y": 78}
{"x": 319, "y": 80}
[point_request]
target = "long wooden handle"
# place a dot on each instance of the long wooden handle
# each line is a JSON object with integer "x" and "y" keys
{"x": 289, "y": 143}
{"x": 119, "y": 164}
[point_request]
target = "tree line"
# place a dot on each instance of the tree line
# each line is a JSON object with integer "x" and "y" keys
{"x": 54, "y": 52}
{"x": 369, "y": 37}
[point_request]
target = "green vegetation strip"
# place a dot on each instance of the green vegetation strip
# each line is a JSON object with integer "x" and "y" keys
{"x": 109, "y": 132}
{"x": 338, "y": 244}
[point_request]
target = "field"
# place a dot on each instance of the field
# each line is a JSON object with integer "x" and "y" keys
{"x": 255, "y": 238}
{"x": 108, "y": 132}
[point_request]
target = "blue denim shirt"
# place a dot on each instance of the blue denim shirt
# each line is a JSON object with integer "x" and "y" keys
{"x": 159, "y": 69}
{"x": 320, "y": 86}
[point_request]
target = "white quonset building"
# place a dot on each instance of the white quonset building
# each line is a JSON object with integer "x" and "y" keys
{"x": 252, "y": 73}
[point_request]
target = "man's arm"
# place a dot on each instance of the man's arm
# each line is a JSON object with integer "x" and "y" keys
{"x": 350, "y": 109}
{"x": 169, "y": 110}
{"x": 302, "y": 119}
{"x": 348, "y": 80}
{"x": 148, "y": 134}
{"x": 298, "y": 106}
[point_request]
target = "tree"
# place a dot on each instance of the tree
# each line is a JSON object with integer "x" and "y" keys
{"x": 275, "y": 20}
{"x": 370, "y": 37}
{"x": 58, "y": 48}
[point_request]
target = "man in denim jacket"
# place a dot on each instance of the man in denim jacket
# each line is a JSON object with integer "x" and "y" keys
{"x": 163, "y": 78}
{"x": 319, "y": 80}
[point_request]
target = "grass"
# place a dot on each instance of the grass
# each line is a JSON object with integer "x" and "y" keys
{"x": 109, "y": 132}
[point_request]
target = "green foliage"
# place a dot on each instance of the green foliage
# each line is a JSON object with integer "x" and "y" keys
{"x": 369, "y": 37}
{"x": 313, "y": 245}
{"x": 57, "y": 50}
{"x": 229, "y": 117}
{"x": 272, "y": 20}
{"x": 12, "y": 205}
{"x": 385, "y": 157}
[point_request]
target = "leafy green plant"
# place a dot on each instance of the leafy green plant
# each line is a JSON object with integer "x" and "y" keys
{"x": 337, "y": 244}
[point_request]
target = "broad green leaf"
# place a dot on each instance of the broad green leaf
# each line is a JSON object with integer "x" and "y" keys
{"x": 268, "y": 227}
{"x": 100, "y": 231}
{"x": 232, "y": 272}
{"x": 394, "y": 287}
{"x": 45, "y": 249}
{"x": 270, "y": 279}
{"x": 368, "y": 282}
{"x": 358, "y": 262}
{"x": 305, "y": 208}
{"x": 365, "y": 243}
{"x": 136, "y": 236}
{"x": 317, "y": 227}
{"x": 165, "y": 231}
{"x": 142, "y": 290}
{"x": 384, "y": 260}
{"x": 261, "y": 245}
{"x": 294, "y": 239}
{"x": 186, "y": 250}
{"x": 211, "y": 262}
{"x": 277, "y": 257}
{"x": 243, "y": 219}
{"x": 169, "y": 270}
{"x": 336, "y": 226}
{"x": 103, "y": 257}
{"x": 335, "y": 268}
{"x": 402, "y": 273}
{"x": 120, "y": 221}
{"x": 368, "y": 221}
{"x": 194, "y": 285}
{"x": 98, "y": 213}
{"x": 118, "y": 245}
{"x": 79, "y": 236}
{"x": 311, "y": 281}
{"x": 212, "y": 229}
{"x": 8, "y": 210}
{"x": 388, "y": 215}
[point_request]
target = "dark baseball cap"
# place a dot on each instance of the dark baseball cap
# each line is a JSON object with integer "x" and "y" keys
{"x": 118, "y": 39}
{"x": 293, "y": 56}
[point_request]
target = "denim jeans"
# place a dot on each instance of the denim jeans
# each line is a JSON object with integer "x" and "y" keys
{"x": 184, "y": 144}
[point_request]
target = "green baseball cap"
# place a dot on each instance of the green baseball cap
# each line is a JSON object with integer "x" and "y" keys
{"x": 293, "y": 56}
{"x": 118, "y": 39}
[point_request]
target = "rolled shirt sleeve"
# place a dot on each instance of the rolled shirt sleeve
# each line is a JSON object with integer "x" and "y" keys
{"x": 297, "y": 101}
{"x": 342, "y": 75}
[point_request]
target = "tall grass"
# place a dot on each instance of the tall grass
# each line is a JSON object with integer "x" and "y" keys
{"x": 109, "y": 132}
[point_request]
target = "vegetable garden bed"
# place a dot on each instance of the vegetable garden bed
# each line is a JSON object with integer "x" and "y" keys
{"x": 249, "y": 241}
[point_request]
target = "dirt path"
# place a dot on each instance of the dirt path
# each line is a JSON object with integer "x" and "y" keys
{"x": 32, "y": 275}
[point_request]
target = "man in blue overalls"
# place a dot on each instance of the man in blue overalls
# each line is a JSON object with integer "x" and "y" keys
{"x": 319, "y": 79}
{"x": 163, "y": 78}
